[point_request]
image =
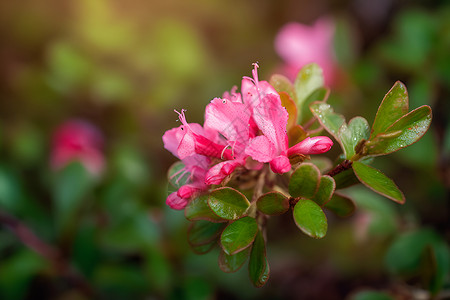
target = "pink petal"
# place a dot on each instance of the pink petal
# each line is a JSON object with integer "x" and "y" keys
{"x": 314, "y": 145}
{"x": 229, "y": 118}
{"x": 218, "y": 172}
{"x": 176, "y": 202}
{"x": 271, "y": 118}
{"x": 280, "y": 164}
{"x": 261, "y": 149}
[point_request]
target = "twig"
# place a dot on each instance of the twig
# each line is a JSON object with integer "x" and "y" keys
{"x": 343, "y": 166}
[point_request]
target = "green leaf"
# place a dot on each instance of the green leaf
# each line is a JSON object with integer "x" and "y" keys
{"x": 404, "y": 132}
{"x": 331, "y": 121}
{"x": 198, "y": 209}
{"x": 232, "y": 263}
{"x": 304, "y": 181}
{"x": 323, "y": 163}
{"x": 203, "y": 249}
{"x": 408, "y": 256}
{"x": 371, "y": 295}
{"x": 238, "y": 235}
{"x": 392, "y": 108}
{"x": 273, "y": 203}
{"x": 378, "y": 182}
{"x": 258, "y": 266}
{"x": 296, "y": 134}
{"x": 341, "y": 205}
{"x": 71, "y": 187}
{"x": 203, "y": 232}
{"x": 325, "y": 191}
{"x": 310, "y": 218}
{"x": 282, "y": 84}
{"x": 309, "y": 79}
{"x": 345, "y": 179}
{"x": 320, "y": 94}
{"x": 357, "y": 129}
{"x": 228, "y": 203}
{"x": 291, "y": 108}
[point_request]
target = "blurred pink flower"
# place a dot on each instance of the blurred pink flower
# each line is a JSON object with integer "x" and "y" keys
{"x": 298, "y": 44}
{"x": 77, "y": 140}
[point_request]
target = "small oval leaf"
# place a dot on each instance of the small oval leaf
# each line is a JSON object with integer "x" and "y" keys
{"x": 203, "y": 232}
{"x": 393, "y": 107}
{"x": 357, "y": 129}
{"x": 330, "y": 120}
{"x": 232, "y": 263}
{"x": 291, "y": 108}
{"x": 341, "y": 205}
{"x": 258, "y": 266}
{"x": 282, "y": 84}
{"x": 310, "y": 218}
{"x": 228, "y": 203}
{"x": 405, "y": 131}
{"x": 304, "y": 181}
{"x": 378, "y": 182}
{"x": 325, "y": 190}
{"x": 309, "y": 79}
{"x": 273, "y": 203}
{"x": 198, "y": 209}
{"x": 238, "y": 235}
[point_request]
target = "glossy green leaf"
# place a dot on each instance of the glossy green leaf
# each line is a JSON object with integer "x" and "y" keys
{"x": 310, "y": 218}
{"x": 304, "y": 181}
{"x": 325, "y": 190}
{"x": 393, "y": 107}
{"x": 228, "y": 203}
{"x": 330, "y": 120}
{"x": 203, "y": 232}
{"x": 238, "y": 235}
{"x": 351, "y": 134}
{"x": 320, "y": 94}
{"x": 378, "y": 182}
{"x": 323, "y": 163}
{"x": 273, "y": 203}
{"x": 203, "y": 249}
{"x": 232, "y": 263}
{"x": 198, "y": 209}
{"x": 309, "y": 79}
{"x": 291, "y": 108}
{"x": 404, "y": 132}
{"x": 258, "y": 266}
{"x": 341, "y": 205}
{"x": 282, "y": 84}
{"x": 345, "y": 179}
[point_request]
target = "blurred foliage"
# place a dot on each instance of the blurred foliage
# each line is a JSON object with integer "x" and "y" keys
{"x": 124, "y": 66}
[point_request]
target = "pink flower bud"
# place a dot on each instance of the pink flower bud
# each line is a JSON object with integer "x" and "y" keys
{"x": 314, "y": 145}
{"x": 280, "y": 164}
{"x": 176, "y": 202}
{"x": 186, "y": 191}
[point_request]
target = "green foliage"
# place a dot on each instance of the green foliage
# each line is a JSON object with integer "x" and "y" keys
{"x": 238, "y": 235}
{"x": 228, "y": 203}
{"x": 304, "y": 181}
{"x": 378, "y": 182}
{"x": 273, "y": 203}
{"x": 258, "y": 265}
{"x": 310, "y": 218}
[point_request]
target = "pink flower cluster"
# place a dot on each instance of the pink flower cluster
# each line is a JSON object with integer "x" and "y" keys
{"x": 298, "y": 44}
{"x": 77, "y": 140}
{"x": 241, "y": 130}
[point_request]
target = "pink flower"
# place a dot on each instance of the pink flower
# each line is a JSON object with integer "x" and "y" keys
{"x": 180, "y": 141}
{"x": 271, "y": 118}
{"x": 299, "y": 44}
{"x": 77, "y": 140}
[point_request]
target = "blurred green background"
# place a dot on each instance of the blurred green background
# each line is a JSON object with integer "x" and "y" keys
{"x": 123, "y": 66}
